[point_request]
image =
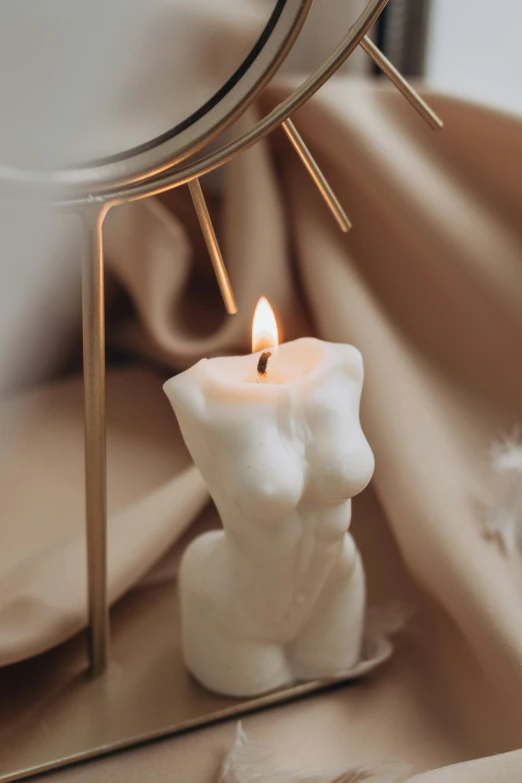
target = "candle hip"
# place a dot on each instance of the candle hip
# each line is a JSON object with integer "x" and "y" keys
{"x": 278, "y": 594}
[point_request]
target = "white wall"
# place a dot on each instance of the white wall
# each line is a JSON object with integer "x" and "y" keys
{"x": 475, "y": 50}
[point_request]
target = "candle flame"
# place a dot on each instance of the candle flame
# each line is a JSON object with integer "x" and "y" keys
{"x": 264, "y": 327}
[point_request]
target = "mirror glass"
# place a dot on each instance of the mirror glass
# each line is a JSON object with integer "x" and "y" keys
{"x": 84, "y": 80}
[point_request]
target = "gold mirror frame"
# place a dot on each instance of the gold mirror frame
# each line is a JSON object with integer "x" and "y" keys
{"x": 148, "y": 159}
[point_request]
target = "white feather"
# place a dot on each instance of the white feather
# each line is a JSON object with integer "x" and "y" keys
{"x": 504, "y": 522}
{"x": 388, "y": 619}
{"x": 251, "y": 763}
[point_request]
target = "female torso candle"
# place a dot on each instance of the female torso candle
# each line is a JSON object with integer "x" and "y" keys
{"x": 278, "y": 594}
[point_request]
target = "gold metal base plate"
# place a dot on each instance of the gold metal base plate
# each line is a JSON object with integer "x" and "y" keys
{"x": 52, "y": 713}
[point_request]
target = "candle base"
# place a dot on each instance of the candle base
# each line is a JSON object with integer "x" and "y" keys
{"x": 238, "y": 646}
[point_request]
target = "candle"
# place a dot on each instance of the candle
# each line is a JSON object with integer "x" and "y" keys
{"x": 278, "y": 594}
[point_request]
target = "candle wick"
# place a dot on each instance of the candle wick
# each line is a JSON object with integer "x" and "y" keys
{"x": 263, "y": 362}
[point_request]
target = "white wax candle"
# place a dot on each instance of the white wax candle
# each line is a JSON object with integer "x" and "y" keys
{"x": 278, "y": 594}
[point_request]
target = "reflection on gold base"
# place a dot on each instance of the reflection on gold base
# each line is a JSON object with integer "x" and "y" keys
{"x": 52, "y": 713}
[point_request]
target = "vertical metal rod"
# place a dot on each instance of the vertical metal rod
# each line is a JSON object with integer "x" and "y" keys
{"x": 93, "y": 317}
{"x": 317, "y": 175}
{"x": 411, "y": 95}
{"x": 207, "y": 228}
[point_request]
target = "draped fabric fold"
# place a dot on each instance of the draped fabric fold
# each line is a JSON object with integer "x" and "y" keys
{"x": 428, "y": 285}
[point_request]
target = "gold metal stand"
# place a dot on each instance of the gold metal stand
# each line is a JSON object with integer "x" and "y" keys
{"x": 317, "y": 175}
{"x": 59, "y": 717}
{"x": 411, "y": 95}
{"x": 207, "y": 228}
{"x": 146, "y": 693}
{"x": 93, "y": 318}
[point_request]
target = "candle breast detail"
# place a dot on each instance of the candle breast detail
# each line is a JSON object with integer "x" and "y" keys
{"x": 278, "y": 594}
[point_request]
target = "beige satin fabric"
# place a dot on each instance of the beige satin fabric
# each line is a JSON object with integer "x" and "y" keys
{"x": 428, "y": 285}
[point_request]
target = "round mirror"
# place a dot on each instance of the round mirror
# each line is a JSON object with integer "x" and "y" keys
{"x": 111, "y": 91}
